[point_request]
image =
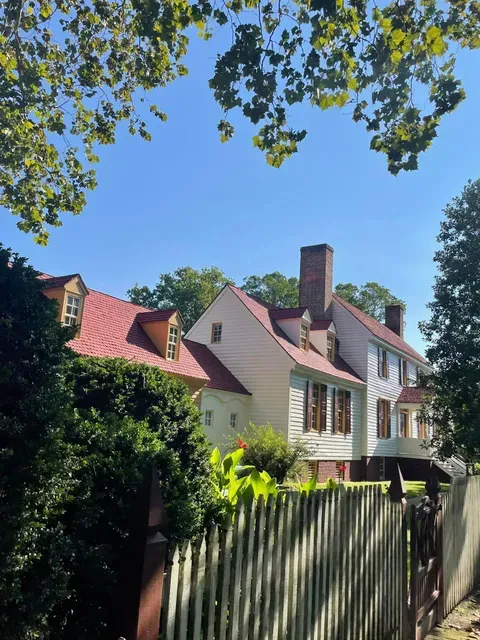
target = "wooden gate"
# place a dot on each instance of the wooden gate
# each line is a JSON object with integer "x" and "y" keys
{"x": 426, "y": 573}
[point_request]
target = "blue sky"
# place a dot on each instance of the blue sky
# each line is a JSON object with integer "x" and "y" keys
{"x": 186, "y": 199}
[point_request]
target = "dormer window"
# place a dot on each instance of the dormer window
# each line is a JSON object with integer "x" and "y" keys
{"x": 304, "y": 331}
{"x": 330, "y": 347}
{"x": 72, "y": 310}
{"x": 173, "y": 342}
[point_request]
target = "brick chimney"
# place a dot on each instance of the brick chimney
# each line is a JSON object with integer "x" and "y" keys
{"x": 316, "y": 275}
{"x": 394, "y": 318}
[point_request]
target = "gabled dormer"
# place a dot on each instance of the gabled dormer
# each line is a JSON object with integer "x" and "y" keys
{"x": 70, "y": 292}
{"x": 323, "y": 336}
{"x": 164, "y": 328}
{"x": 295, "y": 323}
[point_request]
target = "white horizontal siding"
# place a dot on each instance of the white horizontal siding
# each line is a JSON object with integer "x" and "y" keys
{"x": 223, "y": 404}
{"x": 325, "y": 445}
{"x": 353, "y": 338}
{"x": 388, "y": 389}
{"x": 252, "y": 355}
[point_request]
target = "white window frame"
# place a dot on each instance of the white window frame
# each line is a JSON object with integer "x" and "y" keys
{"x": 208, "y": 418}
{"x": 234, "y": 420}
{"x": 217, "y": 332}
{"x": 71, "y": 319}
{"x": 172, "y": 345}
{"x": 331, "y": 355}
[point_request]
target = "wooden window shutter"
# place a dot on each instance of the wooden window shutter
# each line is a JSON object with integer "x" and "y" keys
{"x": 380, "y": 418}
{"x": 323, "y": 407}
{"x": 335, "y": 411}
{"x": 309, "y": 405}
{"x": 348, "y": 412}
{"x": 389, "y": 418}
{"x": 400, "y": 371}
{"x": 388, "y": 364}
{"x": 380, "y": 371}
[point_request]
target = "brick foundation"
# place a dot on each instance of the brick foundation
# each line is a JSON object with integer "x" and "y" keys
{"x": 327, "y": 469}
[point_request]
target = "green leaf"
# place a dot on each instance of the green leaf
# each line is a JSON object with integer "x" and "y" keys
{"x": 396, "y": 57}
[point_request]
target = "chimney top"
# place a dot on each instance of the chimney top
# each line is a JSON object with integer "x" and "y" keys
{"x": 394, "y": 318}
{"x": 316, "y": 278}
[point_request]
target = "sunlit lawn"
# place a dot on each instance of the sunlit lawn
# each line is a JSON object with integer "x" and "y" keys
{"x": 414, "y": 488}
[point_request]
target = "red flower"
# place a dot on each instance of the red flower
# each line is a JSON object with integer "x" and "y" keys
{"x": 342, "y": 468}
{"x": 242, "y": 444}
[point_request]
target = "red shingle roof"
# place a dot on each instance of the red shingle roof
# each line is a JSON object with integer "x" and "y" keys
{"x": 320, "y": 325}
{"x": 379, "y": 330}
{"x": 110, "y": 329}
{"x": 411, "y": 395}
{"x": 287, "y": 314}
{"x": 60, "y": 281}
{"x": 312, "y": 358}
{"x": 155, "y": 316}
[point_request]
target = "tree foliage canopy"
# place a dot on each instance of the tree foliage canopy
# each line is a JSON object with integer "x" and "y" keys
{"x": 187, "y": 289}
{"x": 453, "y": 331}
{"x": 71, "y": 70}
{"x": 191, "y": 291}
{"x": 274, "y": 288}
{"x": 371, "y": 297}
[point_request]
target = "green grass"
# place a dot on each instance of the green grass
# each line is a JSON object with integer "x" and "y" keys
{"x": 414, "y": 488}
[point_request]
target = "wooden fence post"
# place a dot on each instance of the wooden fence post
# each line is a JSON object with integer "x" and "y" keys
{"x": 398, "y": 493}
{"x": 146, "y": 566}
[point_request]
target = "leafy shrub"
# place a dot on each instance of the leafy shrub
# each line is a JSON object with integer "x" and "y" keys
{"x": 331, "y": 484}
{"x": 35, "y": 459}
{"x": 104, "y": 386}
{"x": 269, "y": 450}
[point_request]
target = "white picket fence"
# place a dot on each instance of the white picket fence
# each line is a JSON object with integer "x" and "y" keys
{"x": 461, "y": 540}
{"x": 329, "y": 566}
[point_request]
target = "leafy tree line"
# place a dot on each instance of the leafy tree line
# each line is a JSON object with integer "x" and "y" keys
{"x": 191, "y": 291}
{"x": 71, "y": 71}
{"x": 452, "y": 404}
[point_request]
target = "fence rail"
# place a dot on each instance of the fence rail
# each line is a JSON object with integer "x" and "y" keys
{"x": 461, "y": 539}
{"x": 326, "y": 566}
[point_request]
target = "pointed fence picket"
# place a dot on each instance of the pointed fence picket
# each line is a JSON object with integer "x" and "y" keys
{"x": 326, "y": 566}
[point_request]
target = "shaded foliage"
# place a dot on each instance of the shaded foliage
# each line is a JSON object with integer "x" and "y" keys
{"x": 453, "y": 331}
{"x": 35, "y": 458}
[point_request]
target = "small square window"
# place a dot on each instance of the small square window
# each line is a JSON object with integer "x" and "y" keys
{"x": 216, "y": 332}
{"x": 233, "y": 420}
{"x": 208, "y": 418}
{"x": 72, "y": 310}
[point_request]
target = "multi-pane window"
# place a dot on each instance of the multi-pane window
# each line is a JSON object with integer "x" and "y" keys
{"x": 304, "y": 337}
{"x": 404, "y": 423}
{"x": 403, "y": 372}
{"x": 233, "y": 420}
{"x": 216, "y": 332}
{"x": 312, "y": 466}
{"x": 72, "y": 310}
{"x": 208, "y": 418}
{"x": 330, "y": 347}
{"x": 382, "y": 363}
{"x": 383, "y": 411}
{"x": 341, "y": 411}
{"x": 172, "y": 347}
{"x": 315, "y": 406}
